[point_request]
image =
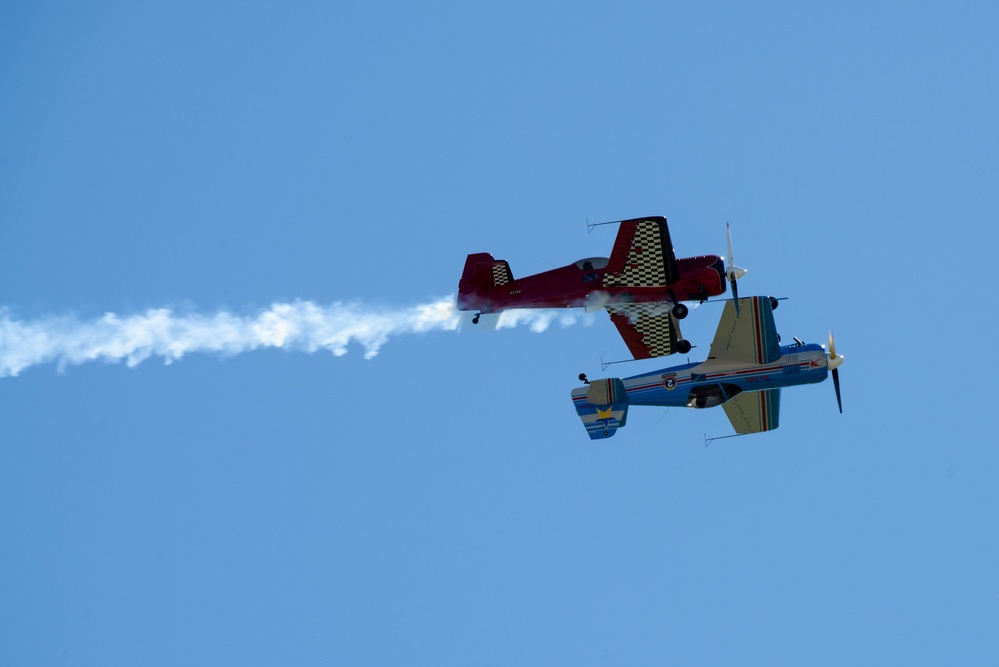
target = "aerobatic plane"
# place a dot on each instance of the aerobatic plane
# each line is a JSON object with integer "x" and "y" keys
{"x": 642, "y": 285}
{"x": 744, "y": 373}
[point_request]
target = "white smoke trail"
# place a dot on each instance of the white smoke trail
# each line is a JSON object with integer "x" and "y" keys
{"x": 299, "y": 325}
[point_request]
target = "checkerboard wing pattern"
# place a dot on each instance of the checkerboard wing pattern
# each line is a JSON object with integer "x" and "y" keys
{"x": 647, "y": 330}
{"x": 645, "y": 265}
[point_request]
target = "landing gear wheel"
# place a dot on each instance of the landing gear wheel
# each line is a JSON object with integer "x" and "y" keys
{"x": 680, "y": 311}
{"x": 475, "y": 319}
{"x": 683, "y": 346}
{"x": 774, "y": 303}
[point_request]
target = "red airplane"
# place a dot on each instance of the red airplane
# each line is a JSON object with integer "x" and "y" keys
{"x": 642, "y": 285}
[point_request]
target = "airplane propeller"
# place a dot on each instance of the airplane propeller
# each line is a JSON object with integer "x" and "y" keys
{"x": 834, "y": 361}
{"x": 733, "y": 272}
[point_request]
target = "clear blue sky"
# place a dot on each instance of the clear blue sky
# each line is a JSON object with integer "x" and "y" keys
{"x": 440, "y": 504}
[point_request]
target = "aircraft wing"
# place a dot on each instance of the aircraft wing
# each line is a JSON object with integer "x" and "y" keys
{"x": 649, "y": 330}
{"x": 747, "y": 337}
{"x": 754, "y": 411}
{"x": 642, "y": 255}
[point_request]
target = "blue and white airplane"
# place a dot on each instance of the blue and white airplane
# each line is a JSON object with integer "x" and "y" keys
{"x": 744, "y": 373}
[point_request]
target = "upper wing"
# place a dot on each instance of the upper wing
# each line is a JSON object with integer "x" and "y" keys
{"x": 750, "y": 336}
{"x": 648, "y": 329}
{"x": 642, "y": 256}
{"x": 754, "y": 411}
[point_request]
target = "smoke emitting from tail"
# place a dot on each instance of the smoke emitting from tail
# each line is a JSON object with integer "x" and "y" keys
{"x": 299, "y": 325}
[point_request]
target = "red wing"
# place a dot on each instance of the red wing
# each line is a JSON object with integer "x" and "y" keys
{"x": 649, "y": 330}
{"x": 642, "y": 255}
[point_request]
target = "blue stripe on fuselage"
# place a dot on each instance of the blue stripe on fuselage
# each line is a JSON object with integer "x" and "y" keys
{"x": 671, "y": 386}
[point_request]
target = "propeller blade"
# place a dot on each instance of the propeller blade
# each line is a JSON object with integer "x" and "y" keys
{"x": 834, "y": 362}
{"x": 728, "y": 228}
{"x": 839, "y": 399}
{"x": 733, "y": 272}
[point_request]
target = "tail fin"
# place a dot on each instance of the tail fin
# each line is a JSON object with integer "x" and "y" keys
{"x": 482, "y": 273}
{"x": 602, "y": 407}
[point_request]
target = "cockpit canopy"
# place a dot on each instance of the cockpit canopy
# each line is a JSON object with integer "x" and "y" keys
{"x": 591, "y": 263}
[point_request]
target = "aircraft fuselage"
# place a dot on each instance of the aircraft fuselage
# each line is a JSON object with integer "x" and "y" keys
{"x": 709, "y": 383}
{"x": 582, "y": 284}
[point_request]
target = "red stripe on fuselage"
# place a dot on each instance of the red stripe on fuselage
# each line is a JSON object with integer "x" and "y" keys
{"x": 749, "y": 371}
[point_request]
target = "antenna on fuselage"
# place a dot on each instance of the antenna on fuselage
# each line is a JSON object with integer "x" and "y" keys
{"x": 546, "y": 261}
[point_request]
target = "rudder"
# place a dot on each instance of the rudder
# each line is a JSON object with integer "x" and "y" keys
{"x": 482, "y": 273}
{"x": 602, "y": 407}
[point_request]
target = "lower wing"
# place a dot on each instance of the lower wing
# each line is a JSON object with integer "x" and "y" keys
{"x": 754, "y": 411}
{"x": 648, "y": 329}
